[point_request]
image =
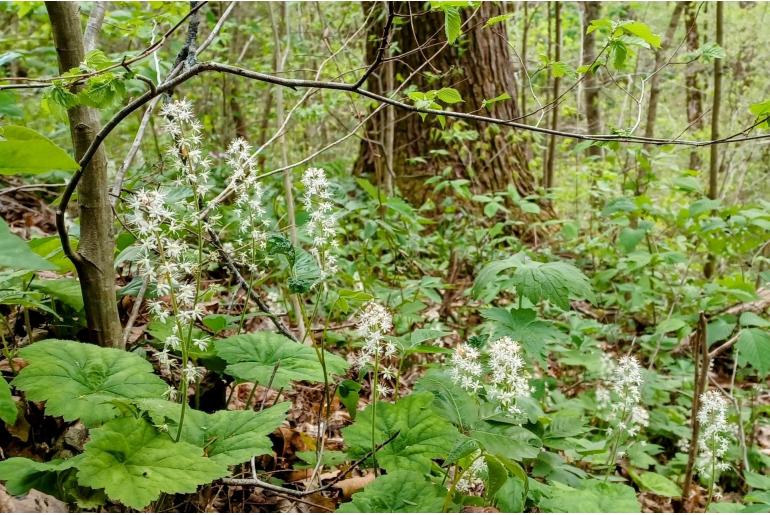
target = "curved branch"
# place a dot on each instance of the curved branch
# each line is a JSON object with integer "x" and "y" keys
{"x": 199, "y": 68}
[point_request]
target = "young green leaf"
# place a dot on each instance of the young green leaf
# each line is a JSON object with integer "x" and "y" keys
{"x": 452, "y": 24}
{"x": 643, "y": 31}
{"x": 78, "y": 380}
{"x": 449, "y": 95}
{"x": 494, "y": 20}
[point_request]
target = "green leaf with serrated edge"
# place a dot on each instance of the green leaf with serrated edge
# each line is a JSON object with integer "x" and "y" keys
{"x": 402, "y": 491}
{"x": 754, "y": 349}
{"x": 237, "y": 436}
{"x": 491, "y": 271}
{"x": 452, "y": 24}
{"x": 253, "y": 357}
{"x": 77, "y": 380}
{"x": 523, "y": 326}
{"x": 8, "y": 410}
{"x": 227, "y": 437}
{"x": 24, "y": 151}
{"x": 556, "y": 282}
{"x": 449, "y": 95}
{"x": 422, "y": 434}
{"x": 134, "y": 463}
{"x": 643, "y": 31}
{"x": 16, "y": 254}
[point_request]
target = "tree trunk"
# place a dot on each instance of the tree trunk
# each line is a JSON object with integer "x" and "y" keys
{"x": 549, "y": 177}
{"x": 692, "y": 79}
{"x": 480, "y": 69}
{"x": 591, "y": 11}
{"x": 713, "y": 192}
{"x": 96, "y": 247}
{"x": 652, "y": 107}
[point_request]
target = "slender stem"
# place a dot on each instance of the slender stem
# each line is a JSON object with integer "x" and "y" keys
{"x": 374, "y": 407}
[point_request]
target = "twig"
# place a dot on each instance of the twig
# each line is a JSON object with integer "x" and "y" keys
{"x": 384, "y": 42}
{"x": 135, "y": 311}
{"x": 300, "y": 493}
{"x": 249, "y": 290}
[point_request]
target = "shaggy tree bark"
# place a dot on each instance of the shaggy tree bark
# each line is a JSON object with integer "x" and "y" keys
{"x": 95, "y": 249}
{"x": 480, "y": 68}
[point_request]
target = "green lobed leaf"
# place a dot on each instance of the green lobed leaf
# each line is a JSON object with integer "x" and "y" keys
{"x": 78, "y": 380}
{"x": 134, "y": 463}
{"x": 556, "y": 282}
{"x": 402, "y": 491}
{"x": 253, "y": 357}
{"x": 524, "y": 326}
{"x": 422, "y": 434}
{"x": 16, "y": 254}
{"x": 492, "y": 270}
{"x": 24, "y": 151}
{"x": 226, "y": 437}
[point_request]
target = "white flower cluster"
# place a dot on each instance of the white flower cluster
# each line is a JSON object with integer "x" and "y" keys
{"x": 249, "y": 207}
{"x": 322, "y": 226}
{"x": 373, "y": 325}
{"x": 716, "y": 433}
{"x": 165, "y": 260}
{"x": 626, "y": 383}
{"x": 466, "y": 368}
{"x": 507, "y": 380}
{"x": 472, "y": 480}
{"x": 510, "y": 381}
{"x": 193, "y": 167}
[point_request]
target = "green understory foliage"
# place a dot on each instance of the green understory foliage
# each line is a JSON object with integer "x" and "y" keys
{"x": 479, "y": 349}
